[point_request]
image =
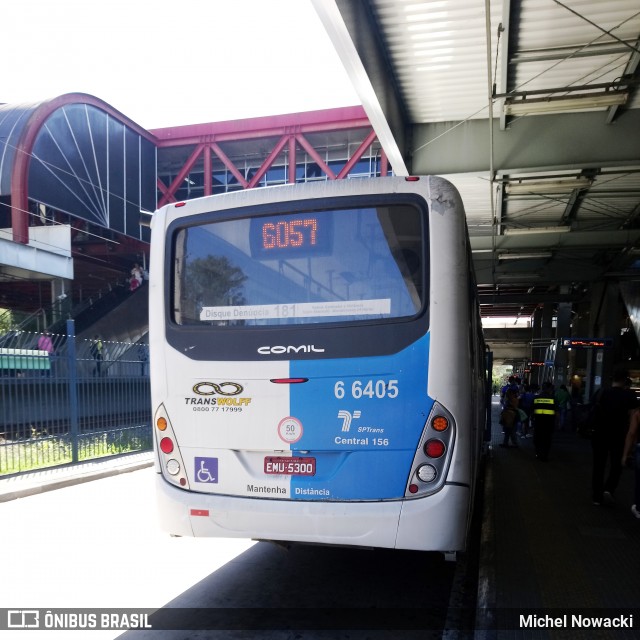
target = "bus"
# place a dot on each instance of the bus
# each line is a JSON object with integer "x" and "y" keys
{"x": 317, "y": 365}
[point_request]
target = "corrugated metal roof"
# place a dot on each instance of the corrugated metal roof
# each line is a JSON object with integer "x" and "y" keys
{"x": 439, "y": 53}
{"x": 437, "y": 50}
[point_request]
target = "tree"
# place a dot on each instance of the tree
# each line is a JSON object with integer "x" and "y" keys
{"x": 6, "y": 320}
{"x": 212, "y": 281}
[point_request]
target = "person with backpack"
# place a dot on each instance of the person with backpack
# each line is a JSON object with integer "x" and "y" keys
{"x": 510, "y": 386}
{"x": 510, "y": 418}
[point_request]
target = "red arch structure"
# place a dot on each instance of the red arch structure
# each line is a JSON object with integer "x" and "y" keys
{"x": 25, "y": 146}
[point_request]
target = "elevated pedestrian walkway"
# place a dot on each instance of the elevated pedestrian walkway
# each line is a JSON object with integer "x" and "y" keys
{"x": 547, "y": 550}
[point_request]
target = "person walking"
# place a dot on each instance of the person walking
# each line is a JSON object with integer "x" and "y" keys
{"x": 136, "y": 277}
{"x": 96, "y": 351}
{"x": 612, "y": 413}
{"x": 45, "y": 343}
{"x": 526, "y": 404}
{"x": 632, "y": 449}
{"x": 510, "y": 387}
{"x": 509, "y": 419}
{"x": 544, "y": 412}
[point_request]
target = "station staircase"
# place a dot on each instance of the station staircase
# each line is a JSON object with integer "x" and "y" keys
{"x": 115, "y": 314}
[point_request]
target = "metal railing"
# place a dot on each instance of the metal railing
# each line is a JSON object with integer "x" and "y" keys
{"x": 73, "y": 403}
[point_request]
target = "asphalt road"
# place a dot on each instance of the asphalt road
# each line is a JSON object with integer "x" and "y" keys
{"x": 97, "y": 545}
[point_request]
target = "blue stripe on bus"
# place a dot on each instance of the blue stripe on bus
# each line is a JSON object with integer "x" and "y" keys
{"x": 362, "y": 419}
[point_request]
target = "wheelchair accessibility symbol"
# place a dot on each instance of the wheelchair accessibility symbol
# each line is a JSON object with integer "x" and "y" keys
{"x": 206, "y": 469}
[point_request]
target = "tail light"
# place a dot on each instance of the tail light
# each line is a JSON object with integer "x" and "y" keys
{"x": 434, "y": 448}
{"x": 169, "y": 458}
{"x": 429, "y": 468}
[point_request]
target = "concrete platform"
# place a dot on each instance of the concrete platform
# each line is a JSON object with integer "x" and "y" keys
{"x": 547, "y": 550}
{"x": 43, "y": 480}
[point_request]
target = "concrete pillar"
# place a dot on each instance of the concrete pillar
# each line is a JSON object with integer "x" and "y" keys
{"x": 60, "y": 301}
{"x": 563, "y": 330}
{"x": 547, "y": 336}
{"x": 581, "y": 328}
{"x": 537, "y": 352}
{"x": 606, "y": 318}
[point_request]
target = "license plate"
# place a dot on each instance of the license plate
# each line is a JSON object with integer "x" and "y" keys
{"x": 290, "y": 466}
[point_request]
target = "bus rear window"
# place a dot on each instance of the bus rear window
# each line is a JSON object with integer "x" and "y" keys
{"x": 346, "y": 265}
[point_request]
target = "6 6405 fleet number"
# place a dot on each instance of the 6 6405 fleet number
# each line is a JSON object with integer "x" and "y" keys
{"x": 366, "y": 388}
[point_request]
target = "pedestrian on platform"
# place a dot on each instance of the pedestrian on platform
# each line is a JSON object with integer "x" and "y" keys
{"x": 544, "y": 411}
{"x": 526, "y": 405}
{"x": 510, "y": 386}
{"x": 632, "y": 449}
{"x": 510, "y": 419}
{"x": 612, "y": 413}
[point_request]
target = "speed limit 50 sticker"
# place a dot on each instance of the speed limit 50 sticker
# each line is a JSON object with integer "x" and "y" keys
{"x": 290, "y": 430}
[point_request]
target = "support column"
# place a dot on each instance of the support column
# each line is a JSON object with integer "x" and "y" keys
{"x": 605, "y": 314}
{"x": 578, "y": 357}
{"x": 563, "y": 330}
{"x": 537, "y": 352}
{"x": 546, "y": 337}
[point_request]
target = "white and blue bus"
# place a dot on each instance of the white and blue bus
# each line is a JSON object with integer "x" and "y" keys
{"x": 317, "y": 364}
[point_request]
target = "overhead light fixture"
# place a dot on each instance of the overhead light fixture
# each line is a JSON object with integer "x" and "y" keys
{"x": 536, "y": 106}
{"x": 525, "y": 256}
{"x": 535, "y": 230}
{"x": 563, "y": 185}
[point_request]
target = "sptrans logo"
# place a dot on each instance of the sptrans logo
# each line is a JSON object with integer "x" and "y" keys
{"x": 347, "y": 418}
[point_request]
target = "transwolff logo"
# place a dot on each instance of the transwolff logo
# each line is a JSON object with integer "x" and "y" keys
{"x": 347, "y": 418}
{"x": 279, "y": 349}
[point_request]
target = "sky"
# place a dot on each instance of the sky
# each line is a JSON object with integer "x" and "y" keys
{"x": 166, "y": 63}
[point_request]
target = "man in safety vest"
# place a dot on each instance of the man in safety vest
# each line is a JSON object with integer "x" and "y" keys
{"x": 544, "y": 411}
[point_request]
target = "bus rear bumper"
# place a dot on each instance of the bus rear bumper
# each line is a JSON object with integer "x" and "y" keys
{"x": 435, "y": 523}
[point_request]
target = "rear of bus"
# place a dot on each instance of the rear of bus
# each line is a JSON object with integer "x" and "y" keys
{"x": 306, "y": 381}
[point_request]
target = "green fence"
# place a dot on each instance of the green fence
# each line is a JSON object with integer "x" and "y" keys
{"x": 71, "y": 404}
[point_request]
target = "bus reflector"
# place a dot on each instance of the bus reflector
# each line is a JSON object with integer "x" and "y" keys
{"x": 440, "y": 423}
{"x": 426, "y": 473}
{"x": 161, "y": 424}
{"x": 173, "y": 467}
{"x": 288, "y": 380}
{"x": 200, "y": 512}
{"x": 166, "y": 445}
{"x": 180, "y": 204}
{"x": 434, "y": 448}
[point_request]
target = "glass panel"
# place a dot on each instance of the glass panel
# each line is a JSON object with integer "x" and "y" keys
{"x": 304, "y": 268}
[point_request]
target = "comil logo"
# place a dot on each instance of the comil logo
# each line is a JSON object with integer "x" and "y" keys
{"x": 280, "y": 349}
{"x": 347, "y": 418}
